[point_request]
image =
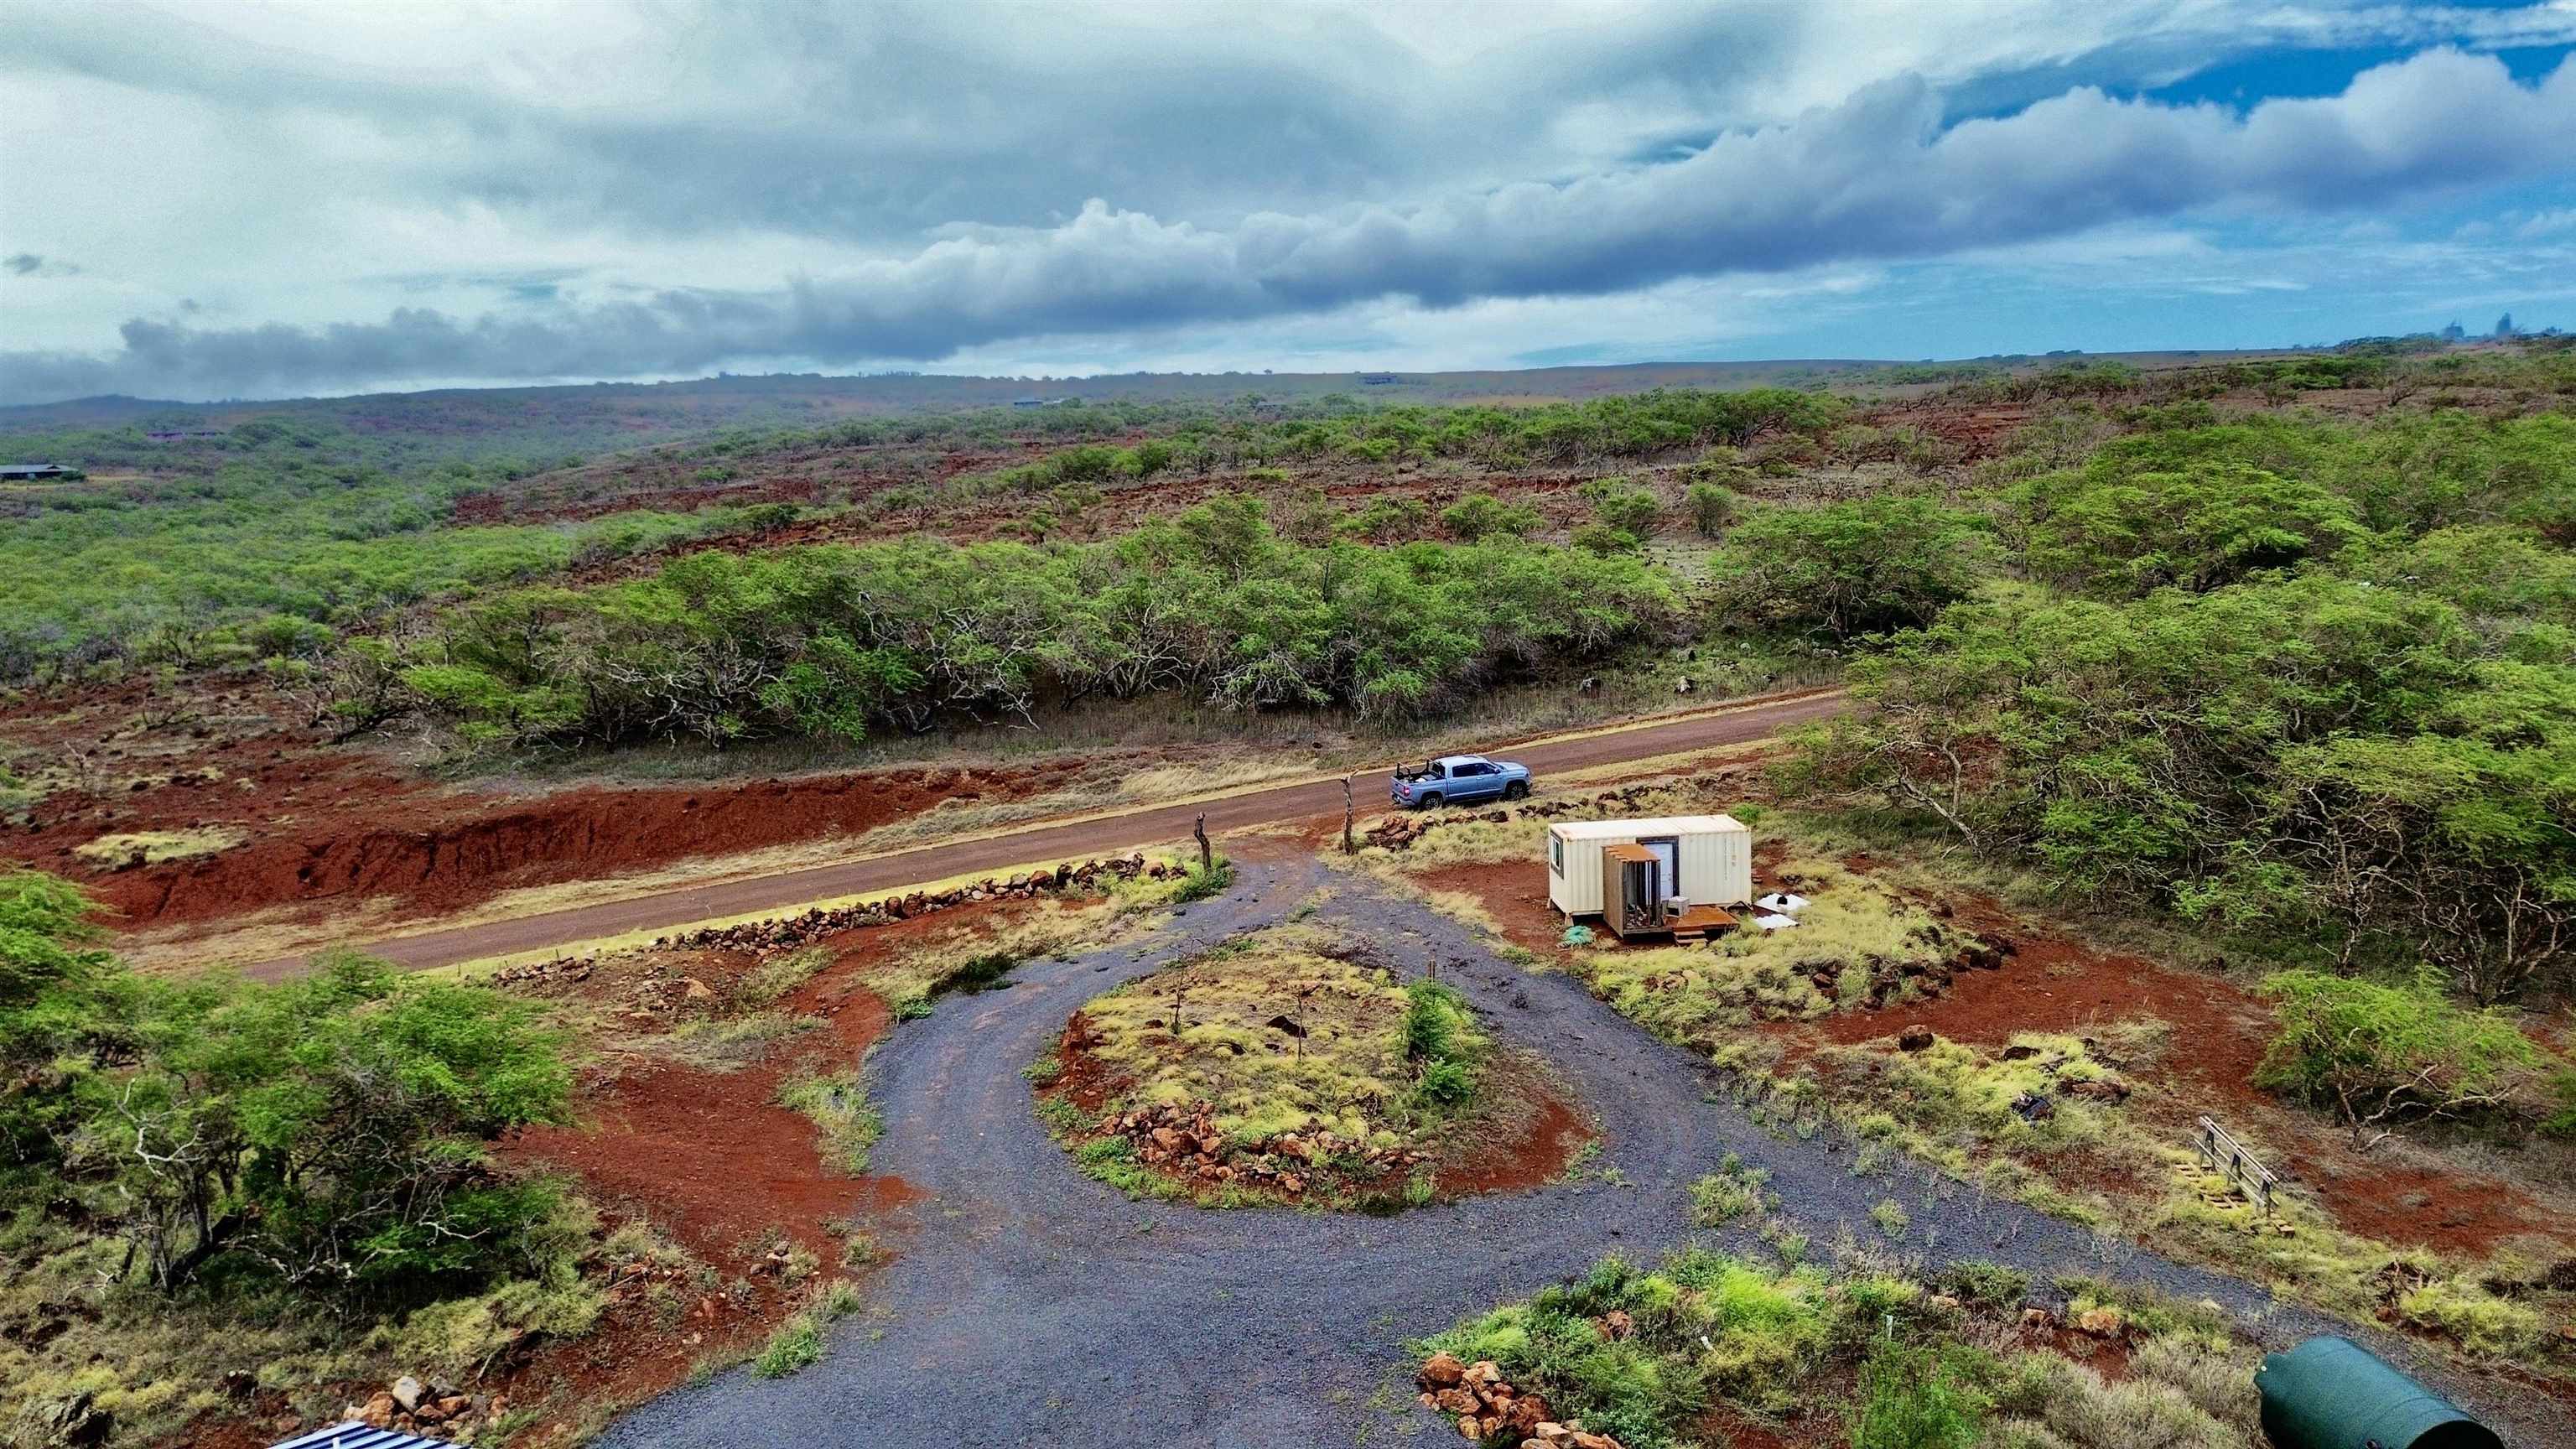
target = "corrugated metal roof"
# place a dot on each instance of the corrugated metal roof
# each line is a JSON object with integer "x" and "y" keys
{"x": 359, "y": 1436}
{"x": 1632, "y": 829}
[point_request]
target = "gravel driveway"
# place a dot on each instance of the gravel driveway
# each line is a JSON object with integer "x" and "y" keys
{"x": 1029, "y": 1305}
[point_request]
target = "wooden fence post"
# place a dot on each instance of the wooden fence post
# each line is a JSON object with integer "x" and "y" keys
{"x": 1347, "y": 847}
{"x": 1207, "y": 854}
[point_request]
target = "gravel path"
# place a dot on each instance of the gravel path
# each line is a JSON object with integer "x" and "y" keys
{"x": 1029, "y": 1305}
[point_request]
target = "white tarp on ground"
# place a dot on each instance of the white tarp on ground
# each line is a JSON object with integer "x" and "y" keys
{"x": 1775, "y": 922}
{"x": 1783, "y": 903}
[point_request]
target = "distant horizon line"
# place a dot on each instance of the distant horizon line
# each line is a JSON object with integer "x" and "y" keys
{"x": 1353, "y": 374}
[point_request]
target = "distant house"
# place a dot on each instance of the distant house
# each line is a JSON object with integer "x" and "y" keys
{"x": 173, "y": 435}
{"x": 1379, "y": 379}
{"x": 1028, "y": 402}
{"x": 39, "y": 473}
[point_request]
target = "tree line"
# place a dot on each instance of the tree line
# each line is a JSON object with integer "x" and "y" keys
{"x": 839, "y": 640}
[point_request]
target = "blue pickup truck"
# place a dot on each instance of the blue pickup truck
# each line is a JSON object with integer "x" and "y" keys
{"x": 1459, "y": 780}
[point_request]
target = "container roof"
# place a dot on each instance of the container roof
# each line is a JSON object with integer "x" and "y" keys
{"x": 1632, "y": 829}
{"x": 359, "y": 1436}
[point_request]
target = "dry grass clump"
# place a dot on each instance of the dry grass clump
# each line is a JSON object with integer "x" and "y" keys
{"x": 153, "y": 847}
{"x": 1850, "y": 920}
{"x": 1866, "y": 1354}
{"x": 725, "y": 1044}
{"x": 1693, "y": 995}
{"x": 1950, "y": 1100}
{"x": 1470, "y": 842}
{"x": 976, "y": 956}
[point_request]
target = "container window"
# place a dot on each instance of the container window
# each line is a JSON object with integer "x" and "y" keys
{"x": 1556, "y": 854}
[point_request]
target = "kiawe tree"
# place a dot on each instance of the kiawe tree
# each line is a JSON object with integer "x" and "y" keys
{"x": 1847, "y": 569}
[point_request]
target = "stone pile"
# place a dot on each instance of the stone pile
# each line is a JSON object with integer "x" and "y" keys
{"x": 1185, "y": 1141}
{"x": 1931, "y": 978}
{"x": 793, "y": 931}
{"x": 1485, "y": 1407}
{"x": 415, "y": 1406}
{"x": 790, "y": 932}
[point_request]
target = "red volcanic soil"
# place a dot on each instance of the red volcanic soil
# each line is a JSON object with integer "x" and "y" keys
{"x": 467, "y": 850}
{"x": 2054, "y": 985}
{"x": 710, "y": 1156}
{"x": 1533, "y": 1157}
{"x": 342, "y": 823}
{"x": 1514, "y": 893}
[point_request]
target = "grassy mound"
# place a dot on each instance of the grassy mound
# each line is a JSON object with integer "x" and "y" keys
{"x": 1284, "y": 1066}
{"x": 1707, "y": 1342}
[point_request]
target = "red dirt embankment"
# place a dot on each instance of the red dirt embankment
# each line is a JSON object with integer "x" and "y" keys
{"x": 459, "y": 857}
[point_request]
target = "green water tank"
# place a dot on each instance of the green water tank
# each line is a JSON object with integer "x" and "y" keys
{"x": 2331, "y": 1393}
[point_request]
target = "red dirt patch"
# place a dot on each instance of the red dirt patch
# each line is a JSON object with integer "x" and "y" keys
{"x": 2449, "y": 1212}
{"x": 460, "y": 849}
{"x": 1533, "y": 1159}
{"x": 2053, "y": 985}
{"x": 715, "y": 1159}
{"x": 1514, "y": 893}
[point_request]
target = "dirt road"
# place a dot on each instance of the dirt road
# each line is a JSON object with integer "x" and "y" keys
{"x": 1042, "y": 843}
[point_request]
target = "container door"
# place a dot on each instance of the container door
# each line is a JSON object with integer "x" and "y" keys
{"x": 1668, "y": 869}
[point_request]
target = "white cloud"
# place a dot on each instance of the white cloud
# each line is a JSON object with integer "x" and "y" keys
{"x": 665, "y": 188}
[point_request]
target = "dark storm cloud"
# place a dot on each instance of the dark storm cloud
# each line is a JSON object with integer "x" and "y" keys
{"x": 1877, "y": 177}
{"x": 30, "y": 264}
{"x": 871, "y": 123}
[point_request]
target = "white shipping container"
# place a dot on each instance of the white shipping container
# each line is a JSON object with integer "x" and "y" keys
{"x": 1715, "y": 858}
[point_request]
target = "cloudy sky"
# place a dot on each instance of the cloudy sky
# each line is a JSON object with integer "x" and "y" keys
{"x": 264, "y": 198}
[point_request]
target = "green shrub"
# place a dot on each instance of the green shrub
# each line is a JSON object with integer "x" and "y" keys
{"x": 1988, "y": 1285}
{"x": 1384, "y": 519}
{"x": 1431, "y": 1020}
{"x": 1603, "y": 541}
{"x": 992, "y": 627}
{"x": 1481, "y": 515}
{"x": 1445, "y": 1083}
{"x": 2381, "y": 1054}
{"x": 793, "y": 1347}
{"x": 1733, "y": 1191}
{"x": 1713, "y": 506}
{"x": 1914, "y": 1398}
{"x": 1846, "y": 569}
{"x": 1891, "y": 1218}
{"x": 326, "y": 1129}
